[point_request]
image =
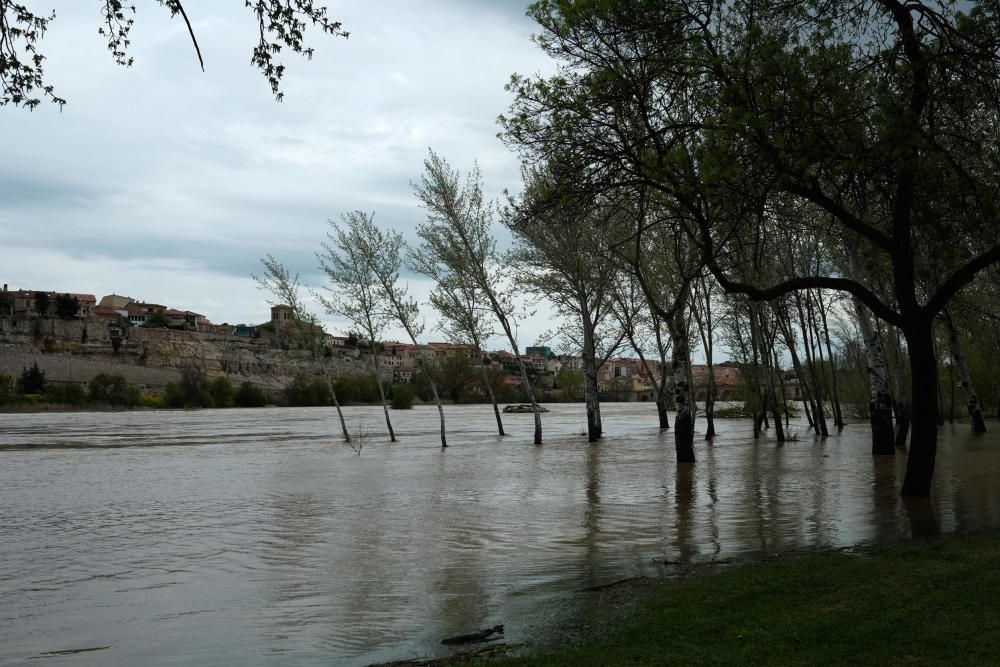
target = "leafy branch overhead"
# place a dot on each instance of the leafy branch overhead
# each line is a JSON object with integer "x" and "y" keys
{"x": 281, "y": 24}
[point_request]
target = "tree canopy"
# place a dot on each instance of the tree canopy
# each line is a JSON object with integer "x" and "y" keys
{"x": 281, "y": 24}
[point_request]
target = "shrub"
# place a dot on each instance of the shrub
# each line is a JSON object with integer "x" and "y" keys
{"x": 221, "y": 390}
{"x": 194, "y": 388}
{"x": 402, "y": 397}
{"x": 303, "y": 392}
{"x": 250, "y": 395}
{"x": 132, "y": 396}
{"x": 32, "y": 380}
{"x": 70, "y": 394}
{"x": 108, "y": 388}
{"x": 173, "y": 397}
{"x": 7, "y": 385}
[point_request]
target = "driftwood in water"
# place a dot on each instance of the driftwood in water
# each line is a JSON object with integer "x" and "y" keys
{"x": 473, "y": 637}
{"x": 602, "y": 587}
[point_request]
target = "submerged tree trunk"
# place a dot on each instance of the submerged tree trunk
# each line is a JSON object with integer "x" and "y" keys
{"x": 924, "y": 396}
{"x": 900, "y": 406}
{"x": 594, "y": 427}
{"x": 336, "y": 403}
{"x": 800, "y": 372}
{"x": 434, "y": 392}
{"x": 684, "y": 421}
{"x": 493, "y": 396}
{"x": 965, "y": 378}
{"x": 880, "y": 401}
{"x": 381, "y": 393}
{"x": 838, "y": 415}
{"x": 771, "y": 402}
{"x": 819, "y": 411}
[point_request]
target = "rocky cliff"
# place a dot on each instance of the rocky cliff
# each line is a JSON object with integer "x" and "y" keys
{"x": 77, "y": 350}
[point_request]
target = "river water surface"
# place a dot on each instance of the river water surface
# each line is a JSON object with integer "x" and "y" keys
{"x": 256, "y": 537}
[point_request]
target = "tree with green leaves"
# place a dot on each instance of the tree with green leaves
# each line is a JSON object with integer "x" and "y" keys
{"x": 66, "y": 306}
{"x": 281, "y": 24}
{"x": 352, "y": 292}
{"x": 562, "y": 253}
{"x": 465, "y": 320}
{"x": 42, "y": 303}
{"x": 382, "y": 252}
{"x": 457, "y": 241}
{"x": 32, "y": 380}
{"x": 874, "y": 124}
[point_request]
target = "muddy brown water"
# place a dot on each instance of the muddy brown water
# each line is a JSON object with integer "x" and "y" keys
{"x": 256, "y": 537}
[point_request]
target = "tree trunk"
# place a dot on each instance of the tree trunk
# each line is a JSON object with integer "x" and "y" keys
{"x": 971, "y": 398}
{"x": 785, "y": 325}
{"x": 336, "y": 403}
{"x": 838, "y": 415}
{"x": 767, "y": 352}
{"x": 684, "y": 421}
{"x": 661, "y": 411}
{"x": 314, "y": 348}
{"x": 781, "y": 386}
{"x": 434, "y": 392}
{"x": 819, "y": 412}
{"x": 381, "y": 393}
{"x": 924, "y": 392}
{"x": 880, "y": 401}
{"x": 900, "y": 406}
{"x": 493, "y": 396}
{"x": 710, "y": 404}
{"x": 594, "y": 429}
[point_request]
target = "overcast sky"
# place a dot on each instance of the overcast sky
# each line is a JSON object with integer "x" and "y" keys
{"x": 167, "y": 184}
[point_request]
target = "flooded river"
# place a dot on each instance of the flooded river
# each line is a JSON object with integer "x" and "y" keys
{"x": 256, "y": 537}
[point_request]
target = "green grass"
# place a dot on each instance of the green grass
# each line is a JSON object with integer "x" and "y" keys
{"x": 929, "y": 602}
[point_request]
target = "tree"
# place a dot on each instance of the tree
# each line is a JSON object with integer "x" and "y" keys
{"x": 250, "y": 395}
{"x": 352, "y": 292}
{"x": 108, "y": 388}
{"x": 32, "y": 380}
{"x": 382, "y": 253}
{"x": 286, "y": 288}
{"x": 66, "y": 306}
{"x": 562, "y": 252}
{"x": 281, "y": 24}
{"x": 570, "y": 382}
{"x": 465, "y": 318}
{"x": 873, "y": 124}
{"x": 457, "y": 239}
{"x": 42, "y": 302}
{"x": 222, "y": 392}
{"x": 156, "y": 321}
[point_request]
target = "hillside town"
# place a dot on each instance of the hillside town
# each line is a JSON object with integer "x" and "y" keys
{"x": 117, "y": 317}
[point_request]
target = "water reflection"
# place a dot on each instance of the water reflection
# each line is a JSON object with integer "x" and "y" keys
{"x": 257, "y": 537}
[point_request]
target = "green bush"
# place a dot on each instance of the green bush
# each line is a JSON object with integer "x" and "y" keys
{"x": 32, "y": 380}
{"x": 250, "y": 396}
{"x": 222, "y": 391}
{"x": 108, "y": 388}
{"x": 402, "y": 397}
{"x": 194, "y": 388}
{"x": 7, "y": 385}
{"x": 173, "y": 397}
{"x": 132, "y": 396}
{"x": 304, "y": 392}
{"x": 69, "y": 394}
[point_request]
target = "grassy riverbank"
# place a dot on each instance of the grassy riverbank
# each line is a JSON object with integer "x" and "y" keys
{"x": 927, "y": 602}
